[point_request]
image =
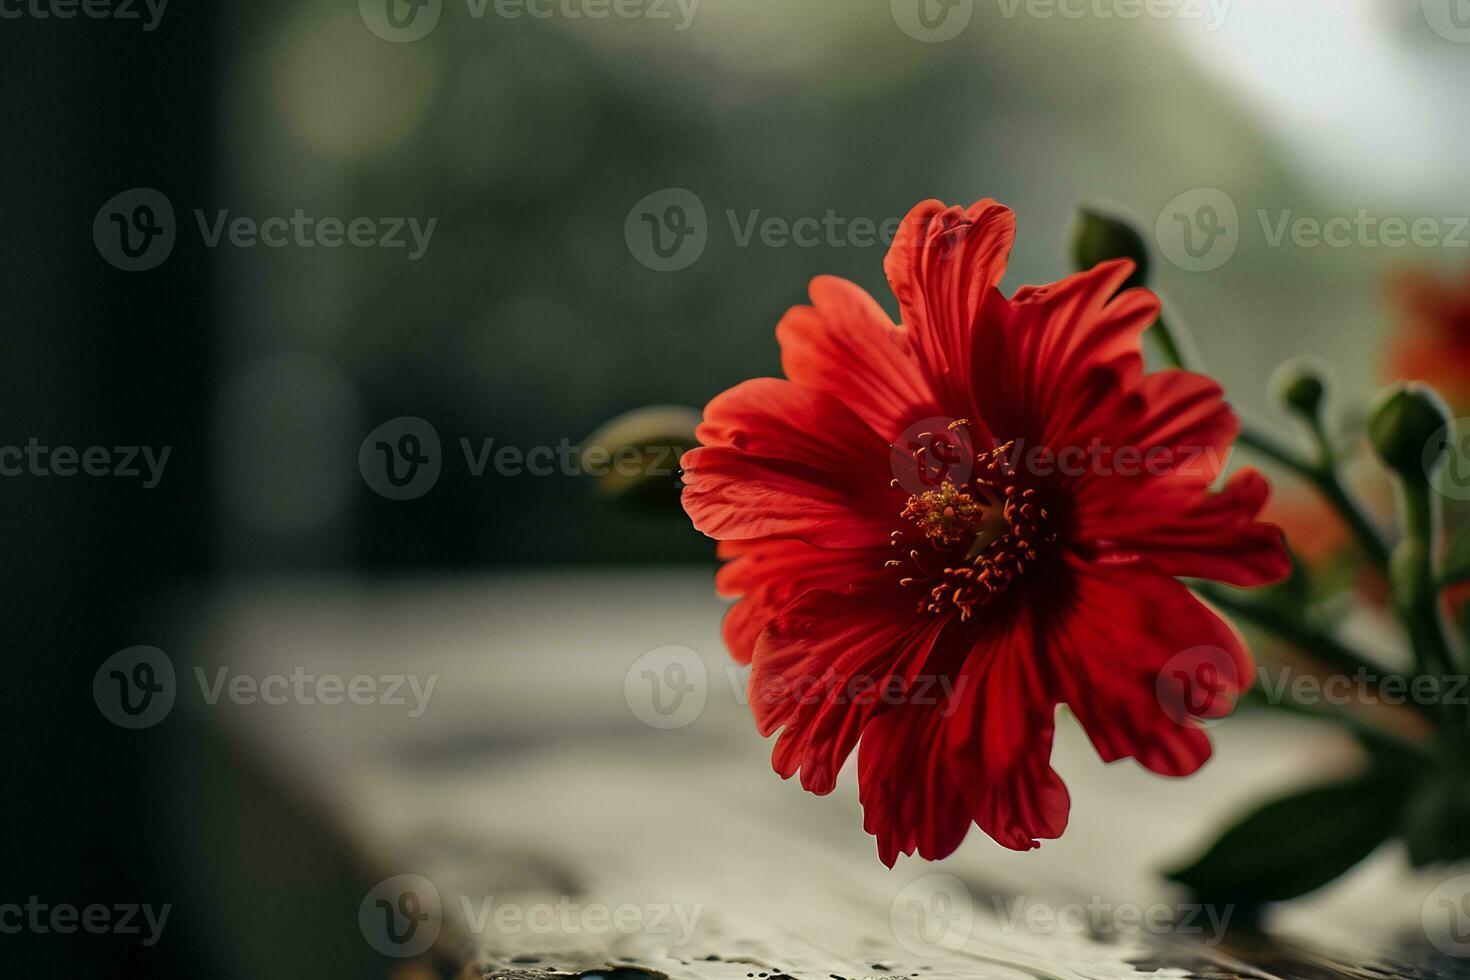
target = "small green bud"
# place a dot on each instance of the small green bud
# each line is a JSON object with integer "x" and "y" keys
{"x": 1300, "y": 386}
{"x": 634, "y": 458}
{"x": 1098, "y": 237}
{"x": 1402, "y": 421}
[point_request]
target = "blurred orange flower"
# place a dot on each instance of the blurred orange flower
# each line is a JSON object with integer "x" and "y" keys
{"x": 1313, "y": 530}
{"x": 1432, "y": 343}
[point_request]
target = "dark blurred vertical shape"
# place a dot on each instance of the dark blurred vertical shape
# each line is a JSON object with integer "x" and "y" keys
{"x": 90, "y": 355}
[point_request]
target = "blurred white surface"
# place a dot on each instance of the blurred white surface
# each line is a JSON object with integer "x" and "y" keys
{"x": 530, "y": 775}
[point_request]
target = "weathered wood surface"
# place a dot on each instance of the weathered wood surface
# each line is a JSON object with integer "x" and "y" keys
{"x": 530, "y": 784}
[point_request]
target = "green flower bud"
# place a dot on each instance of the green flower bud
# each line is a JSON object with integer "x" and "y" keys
{"x": 1097, "y": 237}
{"x": 1401, "y": 424}
{"x": 1300, "y": 386}
{"x": 634, "y": 458}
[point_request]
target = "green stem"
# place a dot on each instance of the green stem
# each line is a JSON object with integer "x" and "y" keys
{"x": 1169, "y": 343}
{"x": 1409, "y": 566}
{"x": 1364, "y": 730}
{"x": 1324, "y": 476}
{"x": 1273, "y": 448}
{"x": 1322, "y": 645}
{"x": 1413, "y": 579}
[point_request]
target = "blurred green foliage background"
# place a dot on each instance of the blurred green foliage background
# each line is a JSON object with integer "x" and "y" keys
{"x": 530, "y": 320}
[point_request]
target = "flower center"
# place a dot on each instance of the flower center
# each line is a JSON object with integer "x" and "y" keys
{"x": 968, "y": 543}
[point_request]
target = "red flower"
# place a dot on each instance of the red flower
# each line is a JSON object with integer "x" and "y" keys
{"x": 922, "y": 568}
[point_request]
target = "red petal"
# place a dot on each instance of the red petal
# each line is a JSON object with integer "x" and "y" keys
{"x": 784, "y": 460}
{"x": 844, "y": 344}
{"x": 769, "y": 573}
{"x": 1156, "y": 507}
{"x": 943, "y": 262}
{"x": 911, "y": 800}
{"x": 999, "y": 740}
{"x": 1183, "y": 413}
{"x": 1043, "y": 361}
{"x": 1179, "y": 431}
{"x": 1210, "y": 535}
{"x": 820, "y": 669}
{"x": 1118, "y": 631}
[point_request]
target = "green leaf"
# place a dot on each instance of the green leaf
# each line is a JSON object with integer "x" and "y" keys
{"x": 1456, "y": 565}
{"x": 1298, "y": 843}
{"x": 1436, "y": 819}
